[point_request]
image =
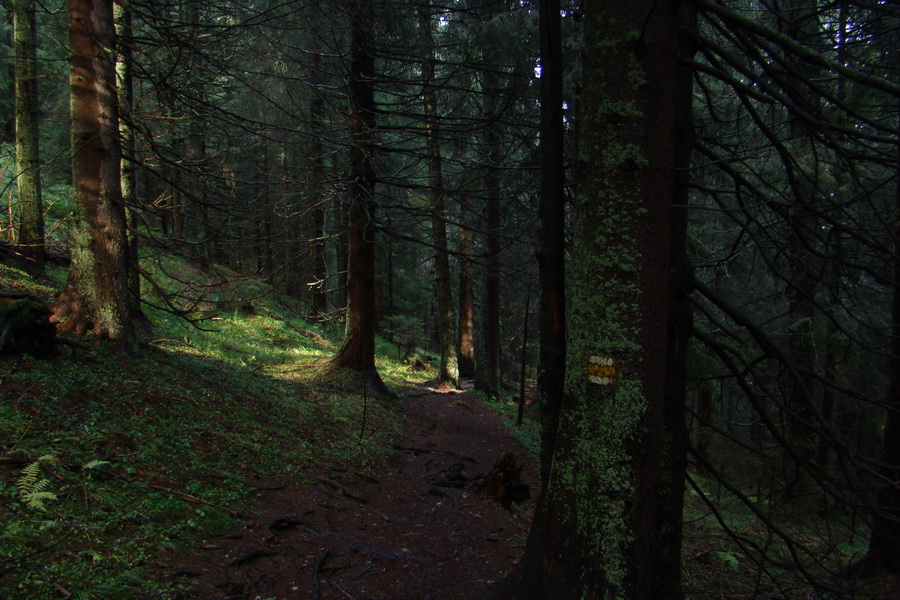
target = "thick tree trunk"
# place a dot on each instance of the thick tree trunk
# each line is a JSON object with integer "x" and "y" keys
{"x": 884, "y": 542}
{"x": 28, "y": 162}
{"x": 608, "y": 521}
{"x": 674, "y": 437}
{"x": 358, "y": 351}
{"x": 551, "y": 256}
{"x": 96, "y": 292}
{"x": 449, "y": 371}
{"x": 488, "y": 374}
{"x": 489, "y": 378}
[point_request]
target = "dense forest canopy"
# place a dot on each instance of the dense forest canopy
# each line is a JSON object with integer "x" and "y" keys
{"x": 706, "y": 186}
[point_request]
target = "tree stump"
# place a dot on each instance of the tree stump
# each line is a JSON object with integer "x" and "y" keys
{"x": 504, "y": 482}
{"x": 25, "y": 325}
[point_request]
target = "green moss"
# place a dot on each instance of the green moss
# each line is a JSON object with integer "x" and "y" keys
{"x": 593, "y": 475}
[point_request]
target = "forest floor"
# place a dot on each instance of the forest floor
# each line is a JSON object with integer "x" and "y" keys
{"x": 423, "y": 530}
{"x": 228, "y": 460}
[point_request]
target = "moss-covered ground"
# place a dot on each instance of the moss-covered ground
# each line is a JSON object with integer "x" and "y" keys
{"x": 108, "y": 460}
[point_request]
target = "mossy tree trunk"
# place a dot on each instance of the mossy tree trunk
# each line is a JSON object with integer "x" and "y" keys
{"x": 358, "y": 351}
{"x": 609, "y": 520}
{"x": 96, "y": 292}
{"x": 449, "y": 371}
{"x": 28, "y": 162}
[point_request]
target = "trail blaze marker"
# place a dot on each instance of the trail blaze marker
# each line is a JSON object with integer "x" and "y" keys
{"x": 602, "y": 371}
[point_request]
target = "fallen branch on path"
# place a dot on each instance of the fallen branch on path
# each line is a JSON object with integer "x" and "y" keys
{"x": 341, "y": 590}
{"x": 435, "y": 392}
{"x": 316, "y": 570}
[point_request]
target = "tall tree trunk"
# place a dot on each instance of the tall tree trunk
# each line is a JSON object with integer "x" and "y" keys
{"x": 674, "y": 438}
{"x": 605, "y": 519}
{"x": 264, "y": 261}
{"x": 125, "y": 87}
{"x": 466, "y": 340}
{"x": 551, "y": 256}
{"x": 884, "y": 541}
{"x": 491, "y": 382}
{"x": 196, "y": 202}
{"x": 28, "y": 161}
{"x": 342, "y": 251}
{"x": 318, "y": 299}
{"x": 358, "y": 351}
{"x": 488, "y": 374}
{"x": 96, "y": 292}
{"x": 449, "y": 371}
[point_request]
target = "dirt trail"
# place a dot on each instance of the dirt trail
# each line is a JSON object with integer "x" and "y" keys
{"x": 421, "y": 531}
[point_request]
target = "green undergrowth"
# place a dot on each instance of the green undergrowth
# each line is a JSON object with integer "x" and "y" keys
{"x": 778, "y": 547}
{"x": 110, "y": 462}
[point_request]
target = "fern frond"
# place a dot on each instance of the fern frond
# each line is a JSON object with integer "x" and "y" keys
{"x": 30, "y": 479}
{"x": 37, "y": 499}
{"x": 31, "y": 483}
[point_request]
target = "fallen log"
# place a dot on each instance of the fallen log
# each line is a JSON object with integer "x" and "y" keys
{"x": 25, "y": 325}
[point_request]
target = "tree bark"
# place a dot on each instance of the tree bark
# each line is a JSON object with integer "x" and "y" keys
{"x": 96, "y": 292}
{"x": 488, "y": 378}
{"x": 264, "y": 261}
{"x": 884, "y": 541}
{"x": 318, "y": 298}
{"x": 552, "y": 212}
{"x": 28, "y": 162}
{"x": 125, "y": 87}
{"x": 608, "y": 522}
{"x": 449, "y": 370}
{"x": 466, "y": 340}
{"x": 358, "y": 351}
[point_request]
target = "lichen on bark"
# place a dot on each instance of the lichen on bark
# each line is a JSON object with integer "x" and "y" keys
{"x": 604, "y": 514}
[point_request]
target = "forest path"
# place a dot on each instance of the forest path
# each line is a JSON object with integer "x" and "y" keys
{"x": 420, "y": 531}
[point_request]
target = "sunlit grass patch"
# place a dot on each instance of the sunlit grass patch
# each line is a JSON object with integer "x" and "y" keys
{"x": 15, "y": 279}
{"x": 156, "y": 452}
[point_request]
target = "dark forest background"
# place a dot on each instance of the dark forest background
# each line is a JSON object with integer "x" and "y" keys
{"x": 387, "y": 165}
